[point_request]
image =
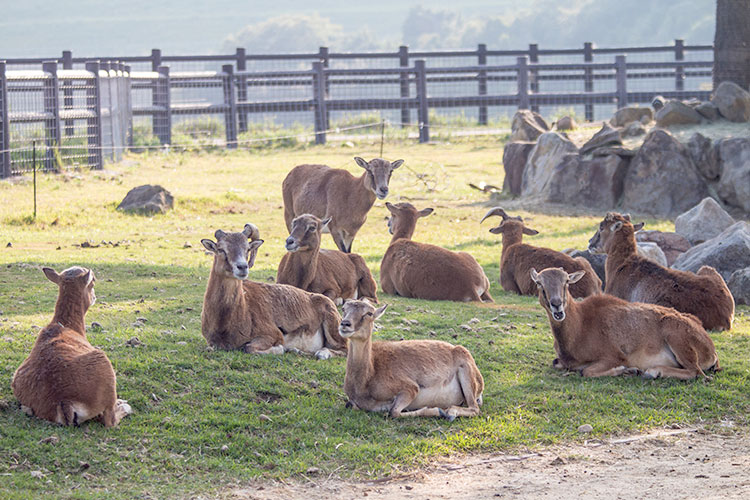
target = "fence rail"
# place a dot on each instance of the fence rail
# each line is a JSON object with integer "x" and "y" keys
{"x": 84, "y": 114}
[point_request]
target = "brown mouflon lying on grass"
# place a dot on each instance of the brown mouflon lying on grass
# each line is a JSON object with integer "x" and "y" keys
{"x": 638, "y": 279}
{"x": 410, "y": 378}
{"x": 335, "y": 274}
{"x": 333, "y": 192}
{"x": 424, "y": 271}
{"x": 603, "y": 335}
{"x": 262, "y": 318}
{"x": 65, "y": 379}
{"x": 518, "y": 258}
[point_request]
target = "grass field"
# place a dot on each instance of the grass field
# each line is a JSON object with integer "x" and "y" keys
{"x": 205, "y": 420}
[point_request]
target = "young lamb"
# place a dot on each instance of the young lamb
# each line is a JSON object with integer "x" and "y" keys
{"x": 335, "y": 274}
{"x": 410, "y": 378}
{"x": 333, "y": 192}
{"x": 65, "y": 379}
{"x": 638, "y": 279}
{"x": 425, "y": 271}
{"x": 603, "y": 335}
{"x": 262, "y": 318}
{"x": 518, "y": 258}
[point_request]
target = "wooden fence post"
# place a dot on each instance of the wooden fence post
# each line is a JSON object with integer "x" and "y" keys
{"x": 230, "y": 116}
{"x": 241, "y": 86}
{"x": 679, "y": 55}
{"x": 403, "y": 62}
{"x": 621, "y": 75}
{"x": 482, "y": 80}
{"x": 67, "y": 63}
{"x": 324, "y": 58}
{"x": 5, "y": 167}
{"x": 534, "y": 74}
{"x": 522, "y": 80}
{"x": 94, "y": 125}
{"x": 163, "y": 126}
{"x": 423, "y": 111}
{"x": 128, "y": 105}
{"x": 52, "y": 135}
{"x": 588, "y": 79}
{"x": 319, "y": 100}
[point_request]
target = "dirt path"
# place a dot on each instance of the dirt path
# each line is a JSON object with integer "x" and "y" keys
{"x": 688, "y": 463}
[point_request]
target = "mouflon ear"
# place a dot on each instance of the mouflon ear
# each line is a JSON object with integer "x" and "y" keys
{"x": 616, "y": 226}
{"x": 390, "y": 206}
{"x": 529, "y": 231}
{"x": 396, "y": 164}
{"x": 219, "y": 234}
{"x": 639, "y": 226}
{"x": 362, "y": 163}
{"x": 497, "y": 230}
{"x": 574, "y": 277}
{"x": 425, "y": 212}
{"x": 534, "y": 276}
{"x": 380, "y": 310}
{"x": 325, "y": 222}
{"x": 255, "y": 244}
{"x": 89, "y": 277}
{"x": 51, "y": 275}
{"x": 209, "y": 245}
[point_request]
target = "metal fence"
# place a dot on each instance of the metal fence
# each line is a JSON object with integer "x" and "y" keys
{"x": 82, "y": 115}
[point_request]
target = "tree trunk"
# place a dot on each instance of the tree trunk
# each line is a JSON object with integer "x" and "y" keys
{"x": 732, "y": 43}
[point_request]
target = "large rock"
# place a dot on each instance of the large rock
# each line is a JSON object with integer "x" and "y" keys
{"x": 623, "y": 116}
{"x": 677, "y": 113}
{"x": 733, "y": 102}
{"x": 727, "y": 252}
{"x": 546, "y": 155}
{"x": 662, "y": 178}
{"x": 708, "y": 110}
{"x": 607, "y": 136}
{"x": 147, "y": 199}
{"x": 739, "y": 285}
{"x": 527, "y": 126}
{"x": 566, "y": 123}
{"x": 704, "y": 221}
{"x": 734, "y": 181}
{"x": 515, "y": 155}
{"x": 672, "y": 244}
{"x": 651, "y": 251}
{"x": 704, "y": 155}
{"x": 597, "y": 261}
{"x": 595, "y": 183}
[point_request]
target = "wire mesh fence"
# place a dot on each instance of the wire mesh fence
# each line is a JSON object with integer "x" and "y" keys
{"x": 84, "y": 112}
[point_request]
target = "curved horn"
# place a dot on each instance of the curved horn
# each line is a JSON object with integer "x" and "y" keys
{"x": 251, "y": 231}
{"x": 495, "y": 211}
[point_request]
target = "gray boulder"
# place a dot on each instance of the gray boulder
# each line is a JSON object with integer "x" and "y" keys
{"x": 727, "y": 252}
{"x": 566, "y": 123}
{"x": 527, "y": 126}
{"x": 734, "y": 181}
{"x": 651, "y": 251}
{"x": 662, "y": 178}
{"x": 704, "y": 155}
{"x": 597, "y": 261}
{"x": 606, "y": 136}
{"x": 708, "y": 110}
{"x": 672, "y": 244}
{"x": 546, "y": 155}
{"x": 676, "y": 112}
{"x": 739, "y": 285}
{"x": 515, "y": 155}
{"x": 595, "y": 182}
{"x": 733, "y": 102}
{"x": 633, "y": 129}
{"x": 147, "y": 199}
{"x": 623, "y": 116}
{"x": 703, "y": 222}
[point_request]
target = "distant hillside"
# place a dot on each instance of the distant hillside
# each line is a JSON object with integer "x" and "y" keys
{"x": 33, "y": 28}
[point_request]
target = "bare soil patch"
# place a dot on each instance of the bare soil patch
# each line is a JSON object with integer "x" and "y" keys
{"x": 686, "y": 463}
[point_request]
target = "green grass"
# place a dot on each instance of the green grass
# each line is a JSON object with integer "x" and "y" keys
{"x": 191, "y": 402}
